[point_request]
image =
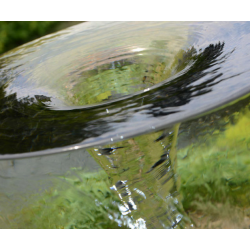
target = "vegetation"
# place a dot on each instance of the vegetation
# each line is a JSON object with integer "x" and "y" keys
{"x": 125, "y": 77}
{"x": 215, "y": 176}
{"x": 87, "y": 203}
{"x": 214, "y": 185}
{"x": 13, "y": 34}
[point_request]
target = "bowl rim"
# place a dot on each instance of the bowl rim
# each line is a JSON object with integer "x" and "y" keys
{"x": 169, "y": 121}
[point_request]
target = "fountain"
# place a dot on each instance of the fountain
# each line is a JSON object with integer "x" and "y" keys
{"x": 127, "y": 125}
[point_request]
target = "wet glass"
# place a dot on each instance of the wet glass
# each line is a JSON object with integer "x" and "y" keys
{"x": 127, "y": 125}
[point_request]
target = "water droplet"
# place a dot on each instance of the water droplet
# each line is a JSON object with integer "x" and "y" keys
{"x": 145, "y": 90}
{"x": 113, "y": 187}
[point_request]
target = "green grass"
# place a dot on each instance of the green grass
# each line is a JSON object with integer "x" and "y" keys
{"x": 215, "y": 176}
{"x": 13, "y": 34}
{"x": 73, "y": 203}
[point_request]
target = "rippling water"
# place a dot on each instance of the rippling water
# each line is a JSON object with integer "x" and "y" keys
{"x": 149, "y": 120}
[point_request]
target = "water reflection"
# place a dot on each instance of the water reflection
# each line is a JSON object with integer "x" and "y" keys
{"x": 144, "y": 177}
{"x": 38, "y": 127}
{"x": 137, "y": 104}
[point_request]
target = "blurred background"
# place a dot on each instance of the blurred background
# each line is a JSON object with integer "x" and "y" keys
{"x": 16, "y": 33}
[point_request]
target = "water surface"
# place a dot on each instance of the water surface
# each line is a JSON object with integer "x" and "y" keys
{"x": 149, "y": 104}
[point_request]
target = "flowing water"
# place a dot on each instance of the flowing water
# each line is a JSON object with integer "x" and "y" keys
{"x": 127, "y": 125}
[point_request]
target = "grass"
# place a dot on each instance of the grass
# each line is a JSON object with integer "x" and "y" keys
{"x": 215, "y": 176}
{"x": 13, "y": 33}
{"x": 83, "y": 202}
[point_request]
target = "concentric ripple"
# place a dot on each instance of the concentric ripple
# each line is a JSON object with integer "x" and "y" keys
{"x": 103, "y": 82}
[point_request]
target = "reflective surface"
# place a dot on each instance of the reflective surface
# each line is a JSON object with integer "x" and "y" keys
{"x": 161, "y": 109}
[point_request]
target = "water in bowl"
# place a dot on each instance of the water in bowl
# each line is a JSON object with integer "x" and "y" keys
{"x": 127, "y": 125}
